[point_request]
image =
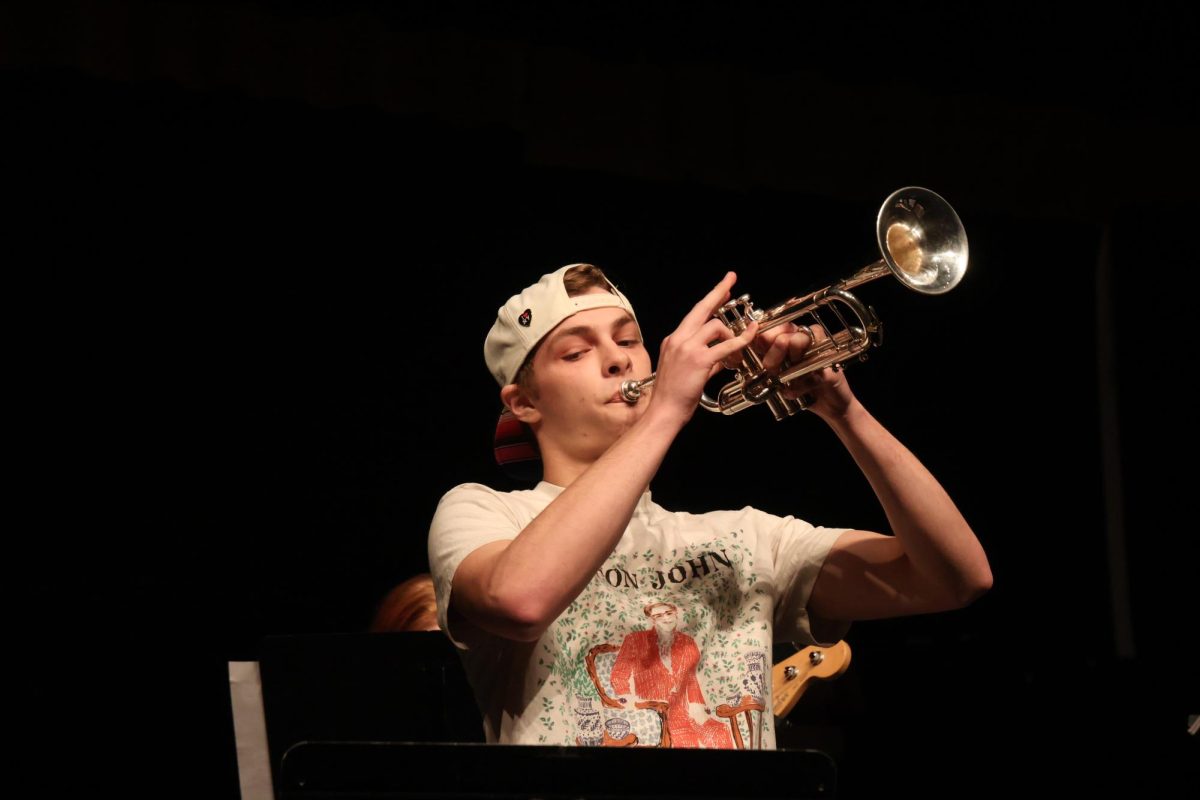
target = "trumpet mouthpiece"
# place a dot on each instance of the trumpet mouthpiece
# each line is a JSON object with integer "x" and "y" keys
{"x": 631, "y": 391}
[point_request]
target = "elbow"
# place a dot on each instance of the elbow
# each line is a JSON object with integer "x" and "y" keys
{"x": 527, "y": 627}
{"x": 511, "y": 607}
{"x": 976, "y": 587}
{"x": 525, "y": 619}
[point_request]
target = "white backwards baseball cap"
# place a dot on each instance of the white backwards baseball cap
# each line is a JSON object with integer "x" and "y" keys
{"x": 527, "y": 317}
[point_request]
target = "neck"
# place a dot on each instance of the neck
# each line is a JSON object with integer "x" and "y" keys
{"x": 562, "y": 468}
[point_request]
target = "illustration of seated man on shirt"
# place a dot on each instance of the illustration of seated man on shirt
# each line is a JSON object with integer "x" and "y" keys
{"x": 660, "y": 664}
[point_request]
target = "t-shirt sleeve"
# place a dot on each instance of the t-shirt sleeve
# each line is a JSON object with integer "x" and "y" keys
{"x": 799, "y": 550}
{"x": 467, "y": 517}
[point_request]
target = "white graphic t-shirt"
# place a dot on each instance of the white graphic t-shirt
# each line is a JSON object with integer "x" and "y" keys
{"x": 668, "y": 645}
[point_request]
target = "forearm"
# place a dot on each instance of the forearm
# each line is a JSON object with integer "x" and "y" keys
{"x": 550, "y": 562}
{"x": 936, "y": 538}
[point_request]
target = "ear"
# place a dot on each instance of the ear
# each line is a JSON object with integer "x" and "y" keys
{"x": 520, "y": 404}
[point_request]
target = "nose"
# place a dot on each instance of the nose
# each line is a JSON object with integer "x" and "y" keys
{"x": 617, "y": 360}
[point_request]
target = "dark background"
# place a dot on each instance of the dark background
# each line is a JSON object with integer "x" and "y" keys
{"x": 255, "y": 249}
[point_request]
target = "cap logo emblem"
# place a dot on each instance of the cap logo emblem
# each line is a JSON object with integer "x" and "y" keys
{"x": 525, "y": 318}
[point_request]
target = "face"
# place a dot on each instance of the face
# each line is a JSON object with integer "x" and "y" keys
{"x": 664, "y": 619}
{"x": 578, "y": 372}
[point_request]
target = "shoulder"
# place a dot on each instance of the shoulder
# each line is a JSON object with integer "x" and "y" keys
{"x": 786, "y": 539}
{"x": 465, "y": 491}
{"x": 476, "y": 495}
{"x": 470, "y": 511}
{"x": 470, "y": 508}
{"x": 480, "y": 492}
{"x": 747, "y": 518}
{"x": 718, "y": 517}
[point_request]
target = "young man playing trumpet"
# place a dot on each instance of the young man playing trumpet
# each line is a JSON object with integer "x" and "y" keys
{"x": 540, "y": 588}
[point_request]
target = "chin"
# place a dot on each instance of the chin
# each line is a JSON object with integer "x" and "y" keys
{"x": 628, "y": 415}
{"x": 636, "y": 408}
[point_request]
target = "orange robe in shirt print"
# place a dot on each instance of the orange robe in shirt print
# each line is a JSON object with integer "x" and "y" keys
{"x": 639, "y": 659}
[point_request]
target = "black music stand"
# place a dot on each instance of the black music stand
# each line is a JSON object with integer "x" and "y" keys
{"x": 335, "y": 770}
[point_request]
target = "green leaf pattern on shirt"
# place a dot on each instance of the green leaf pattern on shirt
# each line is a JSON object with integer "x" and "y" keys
{"x": 720, "y": 610}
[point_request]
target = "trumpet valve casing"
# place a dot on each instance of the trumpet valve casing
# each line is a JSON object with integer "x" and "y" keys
{"x": 738, "y": 313}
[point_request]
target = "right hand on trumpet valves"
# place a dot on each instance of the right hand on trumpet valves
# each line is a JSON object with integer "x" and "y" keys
{"x": 825, "y": 393}
{"x": 782, "y": 344}
{"x": 788, "y": 342}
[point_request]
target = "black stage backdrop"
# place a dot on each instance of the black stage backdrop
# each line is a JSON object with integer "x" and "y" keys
{"x": 256, "y": 248}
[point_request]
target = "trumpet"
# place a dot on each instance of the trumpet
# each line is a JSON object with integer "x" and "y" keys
{"x": 923, "y": 245}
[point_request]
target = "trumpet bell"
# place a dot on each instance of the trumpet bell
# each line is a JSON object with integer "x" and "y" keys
{"x": 922, "y": 240}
